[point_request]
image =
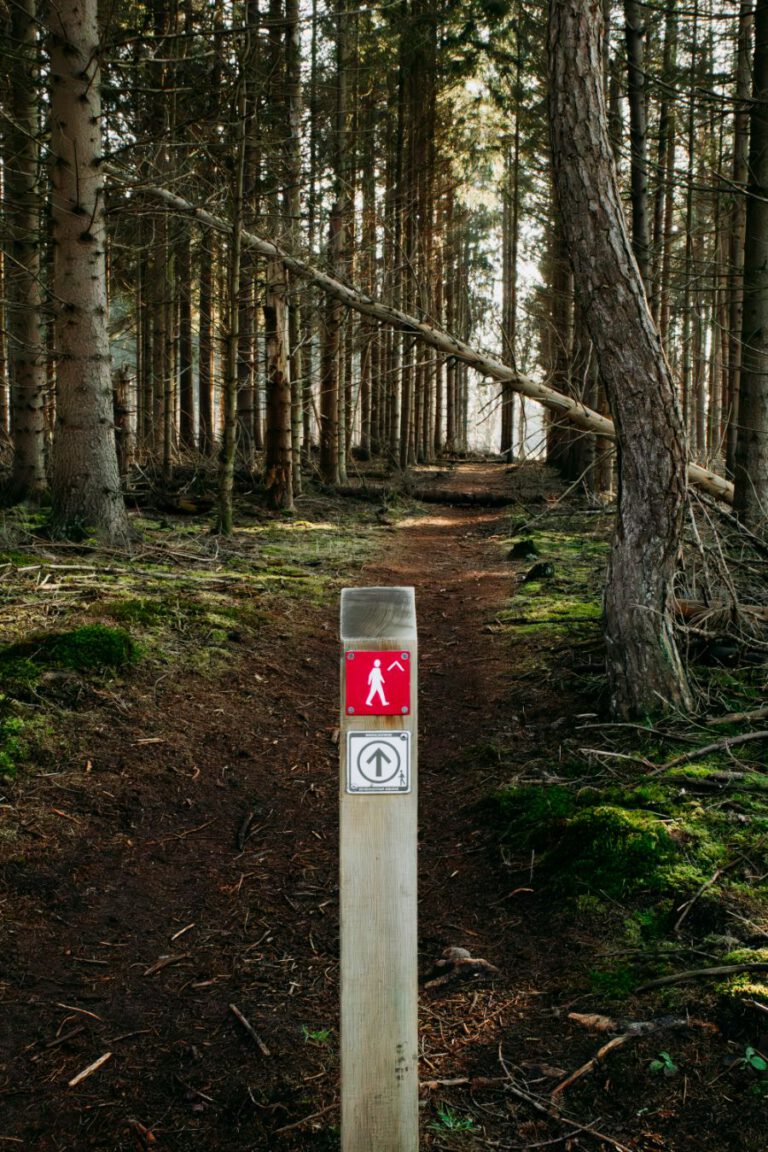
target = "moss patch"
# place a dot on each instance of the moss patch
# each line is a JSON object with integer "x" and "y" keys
{"x": 12, "y": 744}
{"x": 94, "y": 647}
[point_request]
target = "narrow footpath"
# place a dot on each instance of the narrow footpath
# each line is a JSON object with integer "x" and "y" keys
{"x": 176, "y": 917}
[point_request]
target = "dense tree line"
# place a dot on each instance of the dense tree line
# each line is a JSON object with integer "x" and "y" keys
{"x": 403, "y": 153}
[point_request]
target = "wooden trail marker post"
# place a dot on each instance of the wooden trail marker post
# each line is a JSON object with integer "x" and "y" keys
{"x": 378, "y": 829}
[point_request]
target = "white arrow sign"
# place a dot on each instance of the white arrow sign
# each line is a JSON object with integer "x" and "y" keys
{"x": 378, "y": 762}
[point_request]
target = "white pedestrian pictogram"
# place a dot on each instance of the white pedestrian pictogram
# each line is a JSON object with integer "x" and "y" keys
{"x": 376, "y": 685}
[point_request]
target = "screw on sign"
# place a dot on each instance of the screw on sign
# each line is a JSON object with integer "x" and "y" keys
{"x": 378, "y": 683}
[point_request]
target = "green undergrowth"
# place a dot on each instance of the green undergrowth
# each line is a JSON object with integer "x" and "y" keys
{"x": 571, "y": 597}
{"x": 90, "y": 648}
{"x": 36, "y": 678}
{"x": 656, "y": 865}
{"x": 660, "y": 869}
{"x": 183, "y": 599}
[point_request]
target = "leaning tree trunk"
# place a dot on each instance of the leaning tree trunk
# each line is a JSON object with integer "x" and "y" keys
{"x": 455, "y": 348}
{"x": 85, "y": 478}
{"x": 644, "y": 667}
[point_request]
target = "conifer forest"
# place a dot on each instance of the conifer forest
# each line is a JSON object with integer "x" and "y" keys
{"x": 467, "y": 296}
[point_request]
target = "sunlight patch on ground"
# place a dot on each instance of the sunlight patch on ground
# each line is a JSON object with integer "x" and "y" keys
{"x": 288, "y": 526}
{"x": 426, "y": 522}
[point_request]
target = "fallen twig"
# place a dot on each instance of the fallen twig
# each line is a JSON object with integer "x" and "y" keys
{"x": 738, "y": 717}
{"x": 194, "y": 1091}
{"x": 89, "y": 1070}
{"x": 686, "y": 907}
{"x": 718, "y": 746}
{"x": 59, "y": 1040}
{"x": 553, "y": 1112}
{"x": 298, "y": 1123}
{"x": 165, "y": 961}
{"x": 244, "y": 829}
{"x": 461, "y": 1081}
{"x": 618, "y": 756}
{"x": 756, "y": 1004}
{"x": 250, "y": 1030}
{"x": 694, "y": 973}
{"x": 82, "y": 1011}
{"x": 616, "y": 1042}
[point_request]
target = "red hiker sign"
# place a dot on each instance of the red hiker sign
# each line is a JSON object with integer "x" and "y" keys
{"x": 378, "y": 683}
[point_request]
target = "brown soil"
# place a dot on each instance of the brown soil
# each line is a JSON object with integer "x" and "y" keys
{"x": 132, "y": 918}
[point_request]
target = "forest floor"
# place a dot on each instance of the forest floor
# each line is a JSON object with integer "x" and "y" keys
{"x": 172, "y": 852}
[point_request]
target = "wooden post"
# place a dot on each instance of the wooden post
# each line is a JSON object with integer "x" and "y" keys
{"x": 379, "y": 988}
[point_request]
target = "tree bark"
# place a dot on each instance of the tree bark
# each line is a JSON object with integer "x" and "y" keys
{"x": 186, "y": 380}
{"x": 751, "y": 472}
{"x": 278, "y": 462}
{"x": 329, "y": 370}
{"x": 645, "y": 671}
{"x": 205, "y": 439}
{"x": 638, "y": 132}
{"x": 229, "y": 389}
{"x": 294, "y": 102}
{"x": 739, "y": 174}
{"x": 86, "y": 484}
{"x": 23, "y": 311}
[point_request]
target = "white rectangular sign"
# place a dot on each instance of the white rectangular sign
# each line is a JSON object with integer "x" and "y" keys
{"x": 378, "y": 762}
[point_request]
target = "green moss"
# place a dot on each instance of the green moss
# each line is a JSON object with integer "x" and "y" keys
{"x": 137, "y": 610}
{"x": 19, "y": 674}
{"x": 12, "y": 744}
{"x": 19, "y": 559}
{"x": 534, "y": 817}
{"x": 94, "y": 647}
{"x": 612, "y": 983}
{"x": 744, "y": 984}
{"x": 648, "y": 925}
{"x": 747, "y": 956}
{"x": 592, "y": 908}
{"x": 646, "y": 795}
{"x": 614, "y": 849}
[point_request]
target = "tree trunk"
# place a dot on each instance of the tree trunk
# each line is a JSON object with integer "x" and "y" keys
{"x": 638, "y": 131}
{"x": 294, "y": 103}
{"x": 229, "y": 390}
{"x": 205, "y": 439}
{"x": 278, "y": 462}
{"x": 645, "y": 672}
{"x": 86, "y": 483}
{"x": 510, "y": 242}
{"x": 738, "y": 222}
{"x": 25, "y": 344}
{"x": 186, "y": 380}
{"x": 664, "y": 165}
{"x": 329, "y": 371}
{"x": 751, "y": 473}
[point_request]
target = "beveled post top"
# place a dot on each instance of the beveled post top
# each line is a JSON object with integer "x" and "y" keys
{"x": 378, "y": 614}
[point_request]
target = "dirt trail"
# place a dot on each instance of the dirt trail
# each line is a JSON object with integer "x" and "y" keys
{"x": 191, "y": 864}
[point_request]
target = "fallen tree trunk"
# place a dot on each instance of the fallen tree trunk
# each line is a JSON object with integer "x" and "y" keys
{"x": 573, "y": 410}
{"x": 379, "y": 493}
